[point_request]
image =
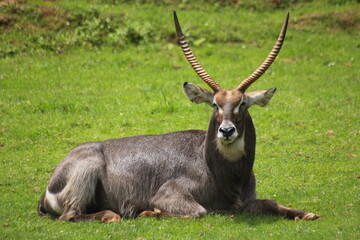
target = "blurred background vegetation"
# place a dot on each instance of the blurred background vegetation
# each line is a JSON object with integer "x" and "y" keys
{"x": 54, "y": 26}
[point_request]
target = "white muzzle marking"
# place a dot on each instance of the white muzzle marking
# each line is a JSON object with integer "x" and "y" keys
{"x": 223, "y": 137}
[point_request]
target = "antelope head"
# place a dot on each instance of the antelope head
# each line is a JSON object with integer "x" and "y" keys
{"x": 230, "y": 105}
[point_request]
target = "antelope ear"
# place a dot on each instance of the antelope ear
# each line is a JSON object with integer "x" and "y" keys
{"x": 197, "y": 94}
{"x": 261, "y": 98}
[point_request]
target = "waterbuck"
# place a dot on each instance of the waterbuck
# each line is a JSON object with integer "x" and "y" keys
{"x": 187, "y": 173}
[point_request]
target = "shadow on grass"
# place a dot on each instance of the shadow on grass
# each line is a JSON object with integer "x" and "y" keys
{"x": 254, "y": 219}
{"x": 239, "y": 218}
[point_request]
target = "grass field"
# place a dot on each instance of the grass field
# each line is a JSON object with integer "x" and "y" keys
{"x": 54, "y": 98}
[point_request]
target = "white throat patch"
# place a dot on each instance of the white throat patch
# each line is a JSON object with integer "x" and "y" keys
{"x": 233, "y": 151}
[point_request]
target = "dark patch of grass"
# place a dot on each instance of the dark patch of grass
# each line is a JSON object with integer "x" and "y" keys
{"x": 348, "y": 21}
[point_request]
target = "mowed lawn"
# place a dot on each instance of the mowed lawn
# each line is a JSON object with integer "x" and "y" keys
{"x": 307, "y": 137}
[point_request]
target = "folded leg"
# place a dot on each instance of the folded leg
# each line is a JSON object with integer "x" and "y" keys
{"x": 106, "y": 216}
{"x": 174, "y": 200}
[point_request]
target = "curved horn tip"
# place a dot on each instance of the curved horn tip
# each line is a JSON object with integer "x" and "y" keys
{"x": 286, "y": 21}
{"x": 268, "y": 61}
{"x": 287, "y": 17}
{"x": 177, "y": 26}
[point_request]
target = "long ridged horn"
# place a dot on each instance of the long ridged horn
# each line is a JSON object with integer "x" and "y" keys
{"x": 192, "y": 60}
{"x": 268, "y": 61}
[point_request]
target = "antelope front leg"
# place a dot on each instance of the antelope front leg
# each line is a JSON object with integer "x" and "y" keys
{"x": 265, "y": 206}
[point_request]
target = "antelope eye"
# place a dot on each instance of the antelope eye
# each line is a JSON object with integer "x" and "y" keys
{"x": 215, "y": 106}
{"x": 242, "y": 104}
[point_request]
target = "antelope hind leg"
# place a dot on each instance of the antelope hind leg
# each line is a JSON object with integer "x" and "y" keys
{"x": 171, "y": 200}
{"x": 106, "y": 216}
{"x": 265, "y": 206}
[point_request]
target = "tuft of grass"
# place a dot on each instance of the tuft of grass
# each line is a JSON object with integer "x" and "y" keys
{"x": 307, "y": 137}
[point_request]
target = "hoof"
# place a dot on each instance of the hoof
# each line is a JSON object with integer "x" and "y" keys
{"x": 160, "y": 213}
{"x": 307, "y": 216}
{"x": 109, "y": 217}
{"x": 66, "y": 217}
{"x": 155, "y": 213}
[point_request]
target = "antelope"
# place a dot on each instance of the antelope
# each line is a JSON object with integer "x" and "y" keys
{"x": 181, "y": 174}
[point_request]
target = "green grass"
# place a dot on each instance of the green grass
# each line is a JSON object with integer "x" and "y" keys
{"x": 307, "y": 137}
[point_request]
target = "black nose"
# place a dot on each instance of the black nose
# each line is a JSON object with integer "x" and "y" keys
{"x": 227, "y": 132}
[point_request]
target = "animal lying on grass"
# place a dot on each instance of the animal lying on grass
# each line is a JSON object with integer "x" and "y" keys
{"x": 187, "y": 173}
